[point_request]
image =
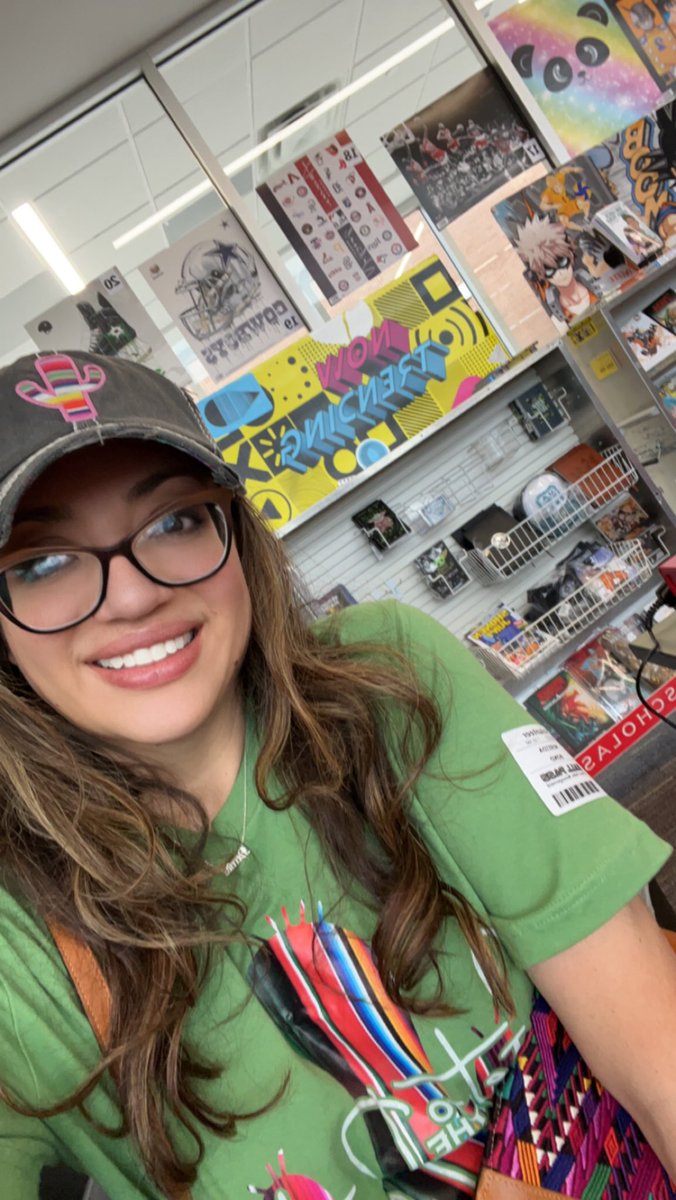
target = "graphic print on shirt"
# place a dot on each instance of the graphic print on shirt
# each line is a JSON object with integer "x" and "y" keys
{"x": 321, "y": 986}
{"x": 291, "y": 1187}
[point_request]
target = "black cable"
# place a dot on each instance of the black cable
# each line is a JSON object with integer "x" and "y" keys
{"x": 648, "y": 618}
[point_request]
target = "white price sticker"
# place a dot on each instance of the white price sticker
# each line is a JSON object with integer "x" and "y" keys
{"x": 559, "y": 781}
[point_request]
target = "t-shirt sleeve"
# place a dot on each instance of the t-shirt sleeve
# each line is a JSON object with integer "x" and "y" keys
{"x": 544, "y": 881}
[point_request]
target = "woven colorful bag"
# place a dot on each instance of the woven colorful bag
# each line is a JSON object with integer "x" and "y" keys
{"x": 556, "y": 1130}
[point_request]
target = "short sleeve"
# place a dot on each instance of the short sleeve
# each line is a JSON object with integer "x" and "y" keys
{"x": 543, "y": 881}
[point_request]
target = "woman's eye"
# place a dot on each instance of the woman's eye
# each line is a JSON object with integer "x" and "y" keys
{"x": 181, "y": 520}
{"x": 34, "y": 570}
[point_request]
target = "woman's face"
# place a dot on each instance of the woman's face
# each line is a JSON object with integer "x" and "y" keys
{"x": 95, "y": 497}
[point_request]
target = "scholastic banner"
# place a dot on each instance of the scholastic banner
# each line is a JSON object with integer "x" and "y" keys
{"x": 462, "y": 147}
{"x": 579, "y": 65}
{"x": 221, "y": 295}
{"x": 627, "y": 732}
{"x": 337, "y": 217}
{"x": 321, "y": 412}
{"x": 107, "y": 318}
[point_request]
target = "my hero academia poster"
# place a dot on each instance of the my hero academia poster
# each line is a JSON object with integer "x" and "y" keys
{"x": 337, "y": 217}
{"x": 580, "y": 66}
{"x": 462, "y": 147}
{"x": 336, "y": 402}
{"x": 221, "y": 295}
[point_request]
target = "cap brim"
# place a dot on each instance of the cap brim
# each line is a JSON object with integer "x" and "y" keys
{"x": 14, "y": 486}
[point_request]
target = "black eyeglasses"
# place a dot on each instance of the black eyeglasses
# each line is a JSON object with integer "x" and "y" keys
{"x": 47, "y": 590}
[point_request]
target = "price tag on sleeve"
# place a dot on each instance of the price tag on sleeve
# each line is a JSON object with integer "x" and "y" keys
{"x": 559, "y": 781}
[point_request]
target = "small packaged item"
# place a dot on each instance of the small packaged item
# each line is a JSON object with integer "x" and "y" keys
{"x": 441, "y": 570}
{"x": 625, "y": 520}
{"x": 380, "y": 525}
{"x": 538, "y": 412}
{"x": 332, "y": 602}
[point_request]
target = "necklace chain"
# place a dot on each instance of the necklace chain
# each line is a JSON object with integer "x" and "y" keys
{"x": 242, "y": 851}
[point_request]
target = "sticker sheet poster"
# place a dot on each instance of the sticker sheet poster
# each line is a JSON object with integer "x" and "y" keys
{"x": 337, "y": 217}
{"x": 221, "y": 295}
{"x": 579, "y": 65}
{"x": 462, "y": 147}
{"x": 107, "y": 317}
{"x": 318, "y": 413}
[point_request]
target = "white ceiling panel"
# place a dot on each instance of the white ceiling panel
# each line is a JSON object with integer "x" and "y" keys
{"x": 211, "y": 60}
{"x": 271, "y": 22}
{"x": 448, "y": 75}
{"x": 221, "y": 111}
{"x": 382, "y": 23}
{"x": 388, "y": 85}
{"x": 24, "y": 304}
{"x": 19, "y": 260}
{"x": 164, "y": 158}
{"x": 95, "y": 199}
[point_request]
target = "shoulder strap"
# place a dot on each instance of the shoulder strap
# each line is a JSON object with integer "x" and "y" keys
{"x": 88, "y": 979}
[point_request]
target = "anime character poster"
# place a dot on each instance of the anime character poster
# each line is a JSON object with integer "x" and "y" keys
{"x": 638, "y": 165}
{"x": 462, "y": 147}
{"x": 579, "y": 65}
{"x": 651, "y": 27}
{"x": 322, "y": 411}
{"x": 106, "y": 317}
{"x": 567, "y": 261}
{"x": 337, "y": 217}
{"x": 221, "y": 295}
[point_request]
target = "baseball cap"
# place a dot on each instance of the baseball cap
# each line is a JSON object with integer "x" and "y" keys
{"x": 56, "y": 402}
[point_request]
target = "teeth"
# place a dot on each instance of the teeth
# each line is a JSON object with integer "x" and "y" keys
{"x": 147, "y": 654}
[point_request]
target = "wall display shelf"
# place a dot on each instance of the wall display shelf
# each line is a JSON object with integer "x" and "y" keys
{"x": 578, "y": 612}
{"x": 575, "y": 504}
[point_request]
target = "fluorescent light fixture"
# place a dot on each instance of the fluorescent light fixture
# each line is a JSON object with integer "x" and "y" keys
{"x": 39, "y": 236}
{"x": 307, "y": 118}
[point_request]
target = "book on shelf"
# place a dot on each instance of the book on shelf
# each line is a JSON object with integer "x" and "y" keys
{"x": 611, "y": 683}
{"x": 506, "y": 634}
{"x": 572, "y": 712}
{"x": 663, "y": 310}
{"x": 650, "y": 342}
{"x": 621, "y": 226}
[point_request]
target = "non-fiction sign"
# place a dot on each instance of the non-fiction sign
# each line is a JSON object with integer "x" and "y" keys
{"x": 462, "y": 147}
{"x": 221, "y": 295}
{"x": 580, "y": 66}
{"x": 337, "y": 217}
{"x": 320, "y": 412}
{"x": 106, "y": 317}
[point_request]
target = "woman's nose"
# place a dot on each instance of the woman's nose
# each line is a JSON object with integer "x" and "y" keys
{"x": 129, "y": 593}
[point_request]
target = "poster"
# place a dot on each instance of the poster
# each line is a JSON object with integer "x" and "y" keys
{"x": 337, "y": 217}
{"x": 462, "y": 147}
{"x": 321, "y": 412}
{"x": 651, "y": 27}
{"x": 580, "y": 66}
{"x": 106, "y": 317}
{"x": 638, "y": 165}
{"x": 221, "y": 295}
{"x": 567, "y": 261}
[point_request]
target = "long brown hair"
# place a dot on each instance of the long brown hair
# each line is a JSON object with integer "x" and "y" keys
{"x": 78, "y": 839}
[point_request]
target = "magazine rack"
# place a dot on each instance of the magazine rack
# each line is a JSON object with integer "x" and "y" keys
{"x": 585, "y": 498}
{"x": 580, "y": 610}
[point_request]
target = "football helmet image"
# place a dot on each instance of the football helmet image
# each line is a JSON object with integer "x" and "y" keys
{"x": 221, "y": 280}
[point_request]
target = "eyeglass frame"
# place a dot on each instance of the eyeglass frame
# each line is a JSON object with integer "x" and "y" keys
{"x": 122, "y": 549}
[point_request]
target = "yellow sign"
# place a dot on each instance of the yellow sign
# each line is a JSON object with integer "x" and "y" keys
{"x": 604, "y": 365}
{"x": 322, "y": 411}
{"x": 583, "y": 331}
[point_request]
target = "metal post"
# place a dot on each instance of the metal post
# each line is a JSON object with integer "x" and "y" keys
{"x": 484, "y": 40}
{"x": 227, "y": 192}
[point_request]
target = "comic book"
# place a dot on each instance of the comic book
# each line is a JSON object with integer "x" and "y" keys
{"x": 663, "y": 310}
{"x": 612, "y": 684}
{"x": 462, "y": 147}
{"x": 573, "y": 713}
{"x": 649, "y": 342}
{"x": 638, "y": 166}
{"x": 441, "y": 570}
{"x": 621, "y": 226}
{"x": 507, "y": 634}
{"x": 625, "y": 520}
{"x": 568, "y": 263}
{"x": 617, "y": 640}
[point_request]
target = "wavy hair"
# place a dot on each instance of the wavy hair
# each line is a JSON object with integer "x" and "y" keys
{"x": 79, "y": 840}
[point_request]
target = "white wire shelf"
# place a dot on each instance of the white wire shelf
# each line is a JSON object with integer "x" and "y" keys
{"x": 581, "y": 609}
{"x": 516, "y": 549}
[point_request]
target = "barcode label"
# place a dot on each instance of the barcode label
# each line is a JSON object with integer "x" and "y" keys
{"x": 559, "y": 781}
{"x": 576, "y": 792}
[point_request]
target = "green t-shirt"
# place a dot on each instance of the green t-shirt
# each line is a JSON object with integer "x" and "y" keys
{"x": 376, "y": 1101}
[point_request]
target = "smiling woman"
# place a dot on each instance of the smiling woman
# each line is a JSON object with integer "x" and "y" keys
{"x": 183, "y": 755}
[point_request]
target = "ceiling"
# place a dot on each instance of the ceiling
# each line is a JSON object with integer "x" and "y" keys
{"x": 121, "y": 162}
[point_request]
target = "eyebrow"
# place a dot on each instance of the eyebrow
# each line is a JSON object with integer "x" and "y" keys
{"x": 144, "y": 487}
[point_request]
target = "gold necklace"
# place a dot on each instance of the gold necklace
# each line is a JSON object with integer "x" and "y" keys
{"x": 242, "y": 851}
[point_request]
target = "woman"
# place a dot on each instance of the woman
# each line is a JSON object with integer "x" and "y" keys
{"x": 310, "y": 861}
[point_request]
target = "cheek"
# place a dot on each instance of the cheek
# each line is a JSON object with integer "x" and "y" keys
{"x": 228, "y": 598}
{"x": 42, "y": 660}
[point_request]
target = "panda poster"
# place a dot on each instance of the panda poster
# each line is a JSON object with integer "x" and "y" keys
{"x": 221, "y": 296}
{"x": 580, "y": 66}
{"x": 107, "y": 317}
{"x": 462, "y": 147}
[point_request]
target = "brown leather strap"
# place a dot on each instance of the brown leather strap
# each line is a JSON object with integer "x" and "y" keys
{"x": 494, "y": 1186}
{"x": 88, "y": 979}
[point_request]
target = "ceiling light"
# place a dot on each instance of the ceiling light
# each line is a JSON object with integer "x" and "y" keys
{"x": 324, "y": 106}
{"x": 39, "y": 236}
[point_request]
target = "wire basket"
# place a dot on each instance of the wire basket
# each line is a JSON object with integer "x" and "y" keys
{"x": 570, "y": 617}
{"x": 516, "y": 549}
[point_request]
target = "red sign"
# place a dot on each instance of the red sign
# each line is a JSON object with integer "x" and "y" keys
{"x": 628, "y": 731}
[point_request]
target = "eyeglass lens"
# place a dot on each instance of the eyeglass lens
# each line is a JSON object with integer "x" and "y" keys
{"x": 52, "y": 589}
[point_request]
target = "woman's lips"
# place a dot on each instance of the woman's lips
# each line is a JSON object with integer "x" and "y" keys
{"x": 155, "y": 674}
